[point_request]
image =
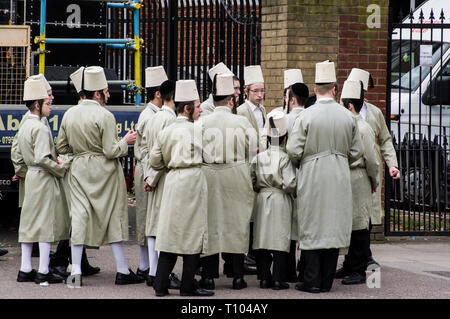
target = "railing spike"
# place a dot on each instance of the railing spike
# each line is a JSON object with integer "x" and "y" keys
{"x": 442, "y": 17}
{"x": 421, "y": 16}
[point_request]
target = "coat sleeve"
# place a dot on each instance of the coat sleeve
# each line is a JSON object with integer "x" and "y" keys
{"x": 156, "y": 160}
{"x": 43, "y": 153}
{"x": 62, "y": 142}
{"x": 371, "y": 158}
{"x": 20, "y": 168}
{"x": 112, "y": 147}
{"x": 253, "y": 169}
{"x": 385, "y": 139}
{"x": 356, "y": 150}
{"x": 289, "y": 176}
{"x": 296, "y": 141}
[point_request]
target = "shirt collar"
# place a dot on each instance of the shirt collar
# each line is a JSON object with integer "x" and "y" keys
{"x": 182, "y": 117}
{"x": 165, "y": 107}
{"x": 90, "y": 101}
{"x": 33, "y": 115}
{"x": 253, "y": 106}
{"x": 325, "y": 99}
{"x": 222, "y": 108}
{"x": 153, "y": 106}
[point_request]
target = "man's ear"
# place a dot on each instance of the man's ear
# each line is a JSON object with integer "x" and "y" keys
{"x": 158, "y": 95}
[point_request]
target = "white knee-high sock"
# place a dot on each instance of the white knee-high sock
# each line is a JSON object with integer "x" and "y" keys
{"x": 119, "y": 256}
{"x": 77, "y": 253}
{"x": 44, "y": 257}
{"x": 153, "y": 256}
{"x": 143, "y": 259}
{"x": 27, "y": 250}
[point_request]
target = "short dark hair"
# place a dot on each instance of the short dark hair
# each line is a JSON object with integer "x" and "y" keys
{"x": 221, "y": 100}
{"x": 167, "y": 90}
{"x": 357, "y": 104}
{"x": 180, "y": 107}
{"x": 300, "y": 92}
{"x": 90, "y": 94}
{"x": 311, "y": 101}
{"x": 31, "y": 105}
{"x": 276, "y": 140}
{"x": 151, "y": 92}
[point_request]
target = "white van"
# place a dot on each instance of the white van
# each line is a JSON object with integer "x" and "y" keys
{"x": 420, "y": 104}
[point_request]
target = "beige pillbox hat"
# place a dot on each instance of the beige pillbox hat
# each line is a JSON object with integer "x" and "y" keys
{"x": 352, "y": 90}
{"x": 77, "y": 78}
{"x": 325, "y": 72}
{"x": 34, "y": 89}
{"x": 277, "y": 124}
{"x": 186, "y": 91}
{"x": 224, "y": 85}
{"x": 292, "y": 76}
{"x": 253, "y": 74}
{"x": 94, "y": 79}
{"x": 155, "y": 76}
{"x": 361, "y": 75}
{"x": 42, "y": 77}
{"x": 220, "y": 68}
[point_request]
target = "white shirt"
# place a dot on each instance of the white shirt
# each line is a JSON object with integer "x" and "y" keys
{"x": 33, "y": 115}
{"x": 182, "y": 117}
{"x": 257, "y": 112}
{"x": 165, "y": 107}
{"x": 325, "y": 99}
{"x": 363, "y": 111}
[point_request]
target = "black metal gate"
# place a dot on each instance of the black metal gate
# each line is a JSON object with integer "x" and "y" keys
{"x": 419, "y": 117}
{"x": 189, "y": 37}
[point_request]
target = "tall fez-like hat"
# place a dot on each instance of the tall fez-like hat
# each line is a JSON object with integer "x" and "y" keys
{"x": 42, "y": 77}
{"x": 353, "y": 90}
{"x": 155, "y": 76}
{"x": 277, "y": 124}
{"x": 253, "y": 74}
{"x": 325, "y": 73}
{"x": 220, "y": 68}
{"x": 34, "y": 89}
{"x": 94, "y": 79}
{"x": 292, "y": 76}
{"x": 186, "y": 91}
{"x": 223, "y": 85}
{"x": 77, "y": 78}
{"x": 361, "y": 75}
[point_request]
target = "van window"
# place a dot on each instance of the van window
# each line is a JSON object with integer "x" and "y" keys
{"x": 412, "y": 79}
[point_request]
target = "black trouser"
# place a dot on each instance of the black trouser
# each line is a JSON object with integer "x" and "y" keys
{"x": 356, "y": 258}
{"x": 228, "y": 265}
{"x": 301, "y": 267}
{"x": 63, "y": 256}
{"x": 320, "y": 267}
{"x": 166, "y": 262}
{"x": 251, "y": 252}
{"x": 369, "y": 252}
{"x": 210, "y": 266}
{"x": 235, "y": 265}
{"x": 264, "y": 260}
{"x": 291, "y": 261}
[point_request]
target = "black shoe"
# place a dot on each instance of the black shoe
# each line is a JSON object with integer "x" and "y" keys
{"x": 372, "y": 264}
{"x": 89, "y": 270}
{"x": 50, "y": 278}
{"x": 303, "y": 287}
{"x": 161, "y": 293}
{"x": 265, "y": 284}
{"x": 150, "y": 280}
{"x": 207, "y": 284}
{"x": 142, "y": 273}
{"x": 280, "y": 285}
{"x": 341, "y": 273}
{"x": 199, "y": 271}
{"x": 3, "y": 252}
{"x": 26, "y": 276}
{"x": 325, "y": 290}
{"x": 60, "y": 271}
{"x": 198, "y": 293}
{"x": 354, "y": 279}
{"x": 131, "y": 278}
{"x": 250, "y": 270}
{"x": 239, "y": 283}
{"x": 292, "y": 279}
{"x": 174, "y": 282}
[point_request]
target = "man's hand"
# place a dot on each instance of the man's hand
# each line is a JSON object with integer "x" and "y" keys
{"x": 130, "y": 137}
{"x": 60, "y": 162}
{"x": 15, "y": 178}
{"x": 394, "y": 172}
{"x": 374, "y": 190}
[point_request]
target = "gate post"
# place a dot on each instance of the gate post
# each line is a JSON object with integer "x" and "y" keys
{"x": 172, "y": 43}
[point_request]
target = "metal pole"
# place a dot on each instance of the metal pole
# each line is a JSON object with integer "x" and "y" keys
{"x": 87, "y": 41}
{"x": 42, "y": 37}
{"x": 137, "y": 52}
{"x": 172, "y": 45}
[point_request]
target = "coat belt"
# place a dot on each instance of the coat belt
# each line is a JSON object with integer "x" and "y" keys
{"x": 272, "y": 190}
{"x": 88, "y": 153}
{"x": 322, "y": 154}
{"x": 36, "y": 168}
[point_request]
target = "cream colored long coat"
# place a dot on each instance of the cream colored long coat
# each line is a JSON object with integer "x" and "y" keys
{"x": 44, "y": 216}
{"x": 226, "y": 167}
{"x": 246, "y": 111}
{"x": 99, "y": 207}
{"x": 207, "y": 106}
{"x": 160, "y": 121}
{"x": 364, "y": 177}
{"x": 385, "y": 150}
{"x": 182, "y": 227}
{"x": 20, "y": 168}
{"x": 273, "y": 176}
{"x": 141, "y": 155}
{"x": 324, "y": 141}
